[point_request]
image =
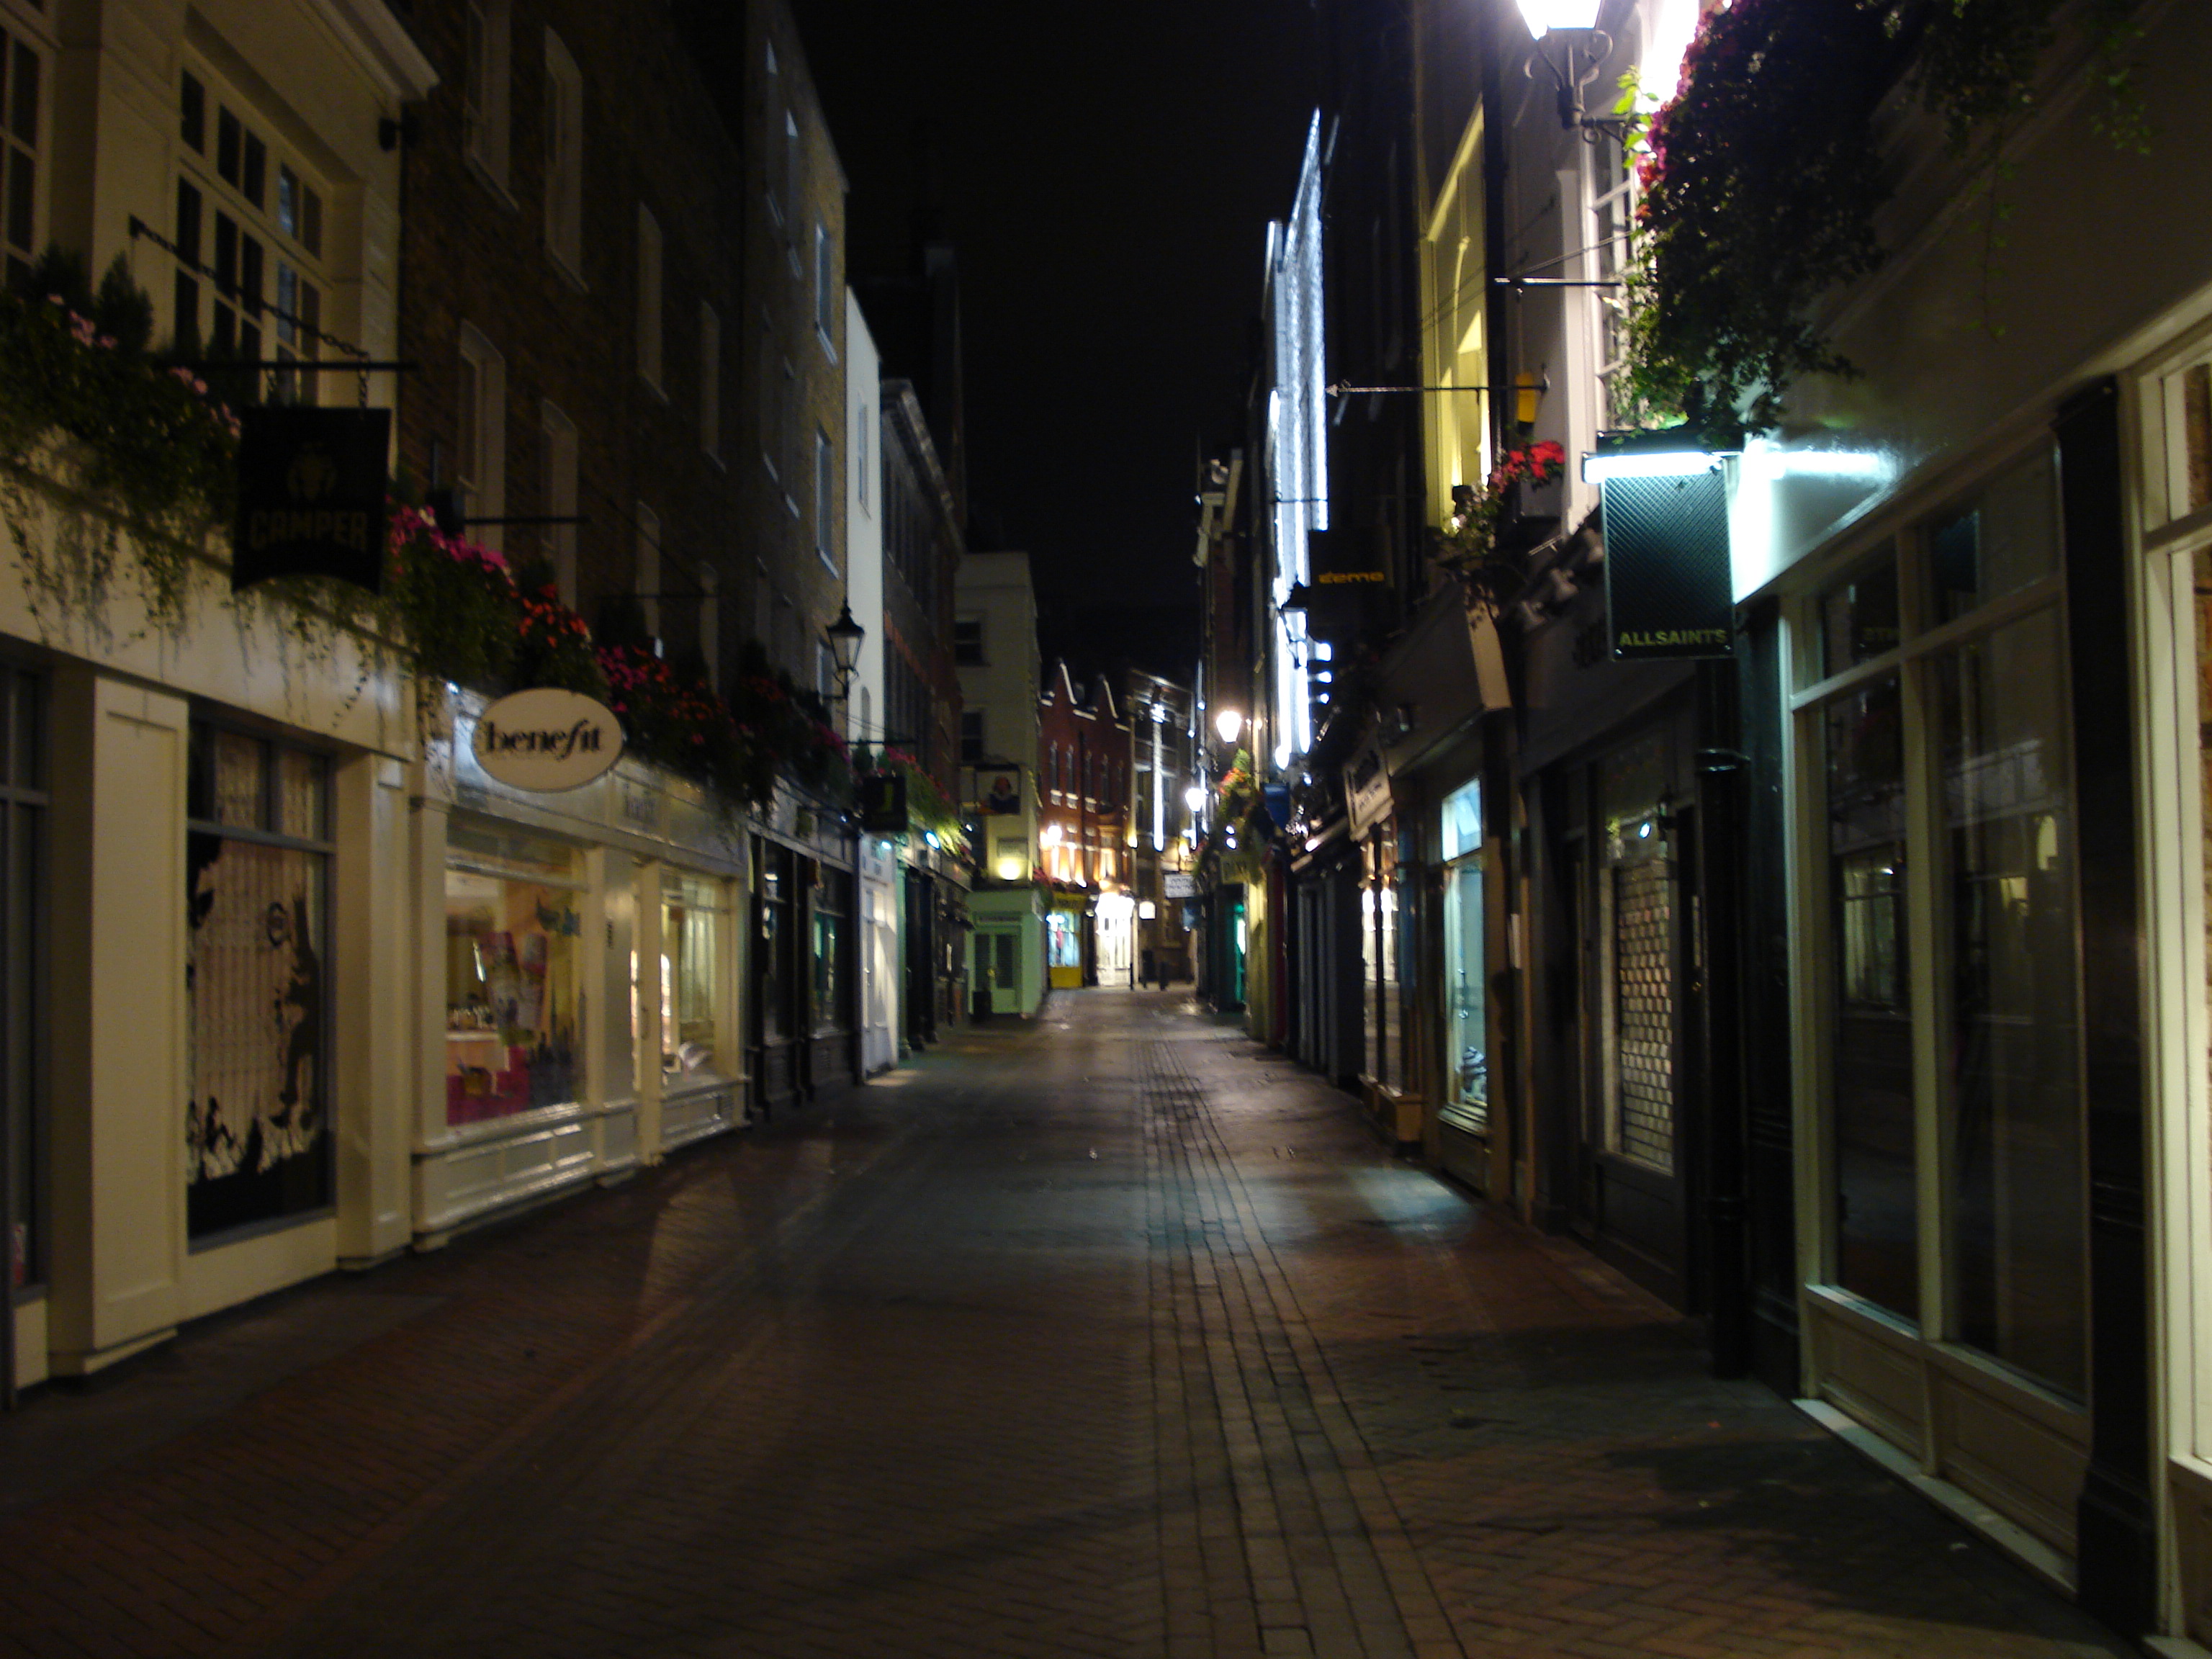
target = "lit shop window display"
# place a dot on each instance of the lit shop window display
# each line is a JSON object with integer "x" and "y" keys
{"x": 513, "y": 921}
{"x": 693, "y": 922}
{"x": 257, "y": 1123}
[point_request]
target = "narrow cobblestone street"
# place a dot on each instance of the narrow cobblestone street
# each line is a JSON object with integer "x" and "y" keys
{"x": 1110, "y": 1335}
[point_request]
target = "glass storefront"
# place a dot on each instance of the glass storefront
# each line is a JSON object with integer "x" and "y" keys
{"x": 513, "y": 974}
{"x": 694, "y": 920}
{"x": 1379, "y": 957}
{"x": 830, "y": 937}
{"x": 1466, "y": 1071}
{"x": 1951, "y": 1006}
{"x": 257, "y": 1122}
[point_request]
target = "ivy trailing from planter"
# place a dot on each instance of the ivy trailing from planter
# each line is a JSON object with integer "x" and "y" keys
{"x": 1467, "y": 544}
{"x": 137, "y": 434}
{"x": 1760, "y": 177}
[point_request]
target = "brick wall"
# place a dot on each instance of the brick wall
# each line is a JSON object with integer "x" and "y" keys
{"x": 656, "y": 135}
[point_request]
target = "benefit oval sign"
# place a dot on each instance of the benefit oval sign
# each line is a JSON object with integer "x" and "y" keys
{"x": 546, "y": 740}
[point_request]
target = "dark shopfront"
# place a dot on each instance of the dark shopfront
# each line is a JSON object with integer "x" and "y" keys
{"x": 1642, "y": 784}
{"x": 801, "y": 972}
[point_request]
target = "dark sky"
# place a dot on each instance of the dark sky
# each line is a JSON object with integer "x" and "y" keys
{"x": 1107, "y": 176}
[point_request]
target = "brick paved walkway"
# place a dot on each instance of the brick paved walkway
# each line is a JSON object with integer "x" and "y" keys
{"x": 1110, "y": 1335}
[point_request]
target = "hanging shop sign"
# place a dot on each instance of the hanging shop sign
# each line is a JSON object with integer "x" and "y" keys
{"x": 1179, "y": 884}
{"x": 1668, "y": 586}
{"x": 1348, "y": 589}
{"x": 311, "y": 494}
{"x": 883, "y": 803}
{"x": 999, "y": 791}
{"x": 545, "y": 741}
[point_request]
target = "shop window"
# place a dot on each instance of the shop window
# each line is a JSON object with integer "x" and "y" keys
{"x": 1874, "y": 1200}
{"x": 1466, "y": 963}
{"x": 256, "y": 991}
{"x": 1963, "y": 1029}
{"x": 23, "y": 982}
{"x": 829, "y": 917}
{"x": 2018, "y": 1218}
{"x": 2007, "y": 539}
{"x": 1858, "y": 619}
{"x": 777, "y": 983}
{"x": 694, "y": 920}
{"x": 248, "y": 233}
{"x": 514, "y": 974}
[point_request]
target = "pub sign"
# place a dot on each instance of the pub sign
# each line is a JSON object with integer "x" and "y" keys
{"x": 311, "y": 494}
{"x": 1668, "y": 586}
{"x": 883, "y": 803}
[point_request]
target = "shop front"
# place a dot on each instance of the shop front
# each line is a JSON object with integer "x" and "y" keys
{"x": 202, "y": 880}
{"x": 801, "y": 987}
{"x": 1115, "y": 925}
{"x": 582, "y": 996}
{"x": 878, "y": 947}
{"x": 1008, "y": 940}
{"x": 1064, "y": 933}
{"x": 1466, "y": 865}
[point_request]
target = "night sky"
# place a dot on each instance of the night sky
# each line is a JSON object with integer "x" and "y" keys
{"x": 1107, "y": 175}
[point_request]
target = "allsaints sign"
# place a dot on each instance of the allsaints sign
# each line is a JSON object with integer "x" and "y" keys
{"x": 311, "y": 488}
{"x": 1668, "y": 586}
{"x": 545, "y": 741}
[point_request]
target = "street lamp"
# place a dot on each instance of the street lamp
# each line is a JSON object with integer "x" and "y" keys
{"x": 1229, "y": 723}
{"x": 1582, "y": 46}
{"x": 1194, "y": 798}
{"x": 845, "y": 635}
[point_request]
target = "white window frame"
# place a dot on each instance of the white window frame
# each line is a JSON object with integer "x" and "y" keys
{"x": 282, "y": 287}
{"x": 1611, "y": 226}
{"x": 33, "y": 148}
{"x": 480, "y": 440}
{"x": 651, "y": 312}
{"x": 487, "y": 107}
{"x": 564, "y": 157}
{"x": 560, "y": 441}
{"x": 710, "y": 382}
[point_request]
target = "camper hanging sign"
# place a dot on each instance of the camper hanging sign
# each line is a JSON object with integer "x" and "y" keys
{"x": 311, "y": 492}
{"x": 544, "y": 740}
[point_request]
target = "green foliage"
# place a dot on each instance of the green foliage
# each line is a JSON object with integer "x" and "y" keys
{"x": 1467, "y": 544}
{"x": 1761, "y": 178}
{"x": 143, "y": 437}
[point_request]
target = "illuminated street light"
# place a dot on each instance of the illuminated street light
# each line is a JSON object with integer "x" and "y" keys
{"x": 1229, "y": 723}
{"x": 1194, "y": 797}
